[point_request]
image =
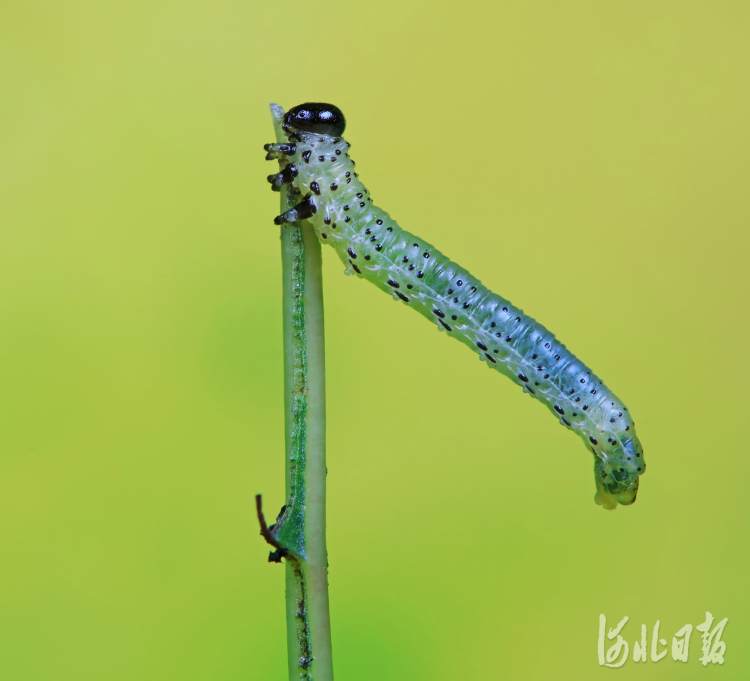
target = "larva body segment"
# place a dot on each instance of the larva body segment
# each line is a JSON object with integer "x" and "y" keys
{"x": 370, "y": 243}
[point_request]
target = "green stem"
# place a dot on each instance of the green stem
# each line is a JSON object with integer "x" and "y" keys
{"x": 301, "y": 530}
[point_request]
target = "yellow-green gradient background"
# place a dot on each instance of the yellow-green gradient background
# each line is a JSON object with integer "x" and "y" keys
{"x": 588, "y": 160}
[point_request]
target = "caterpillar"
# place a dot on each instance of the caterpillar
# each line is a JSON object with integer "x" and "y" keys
{"x": 315, "y": 165}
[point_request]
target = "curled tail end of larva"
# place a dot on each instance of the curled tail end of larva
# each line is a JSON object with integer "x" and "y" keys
{"x": 610, "y": 495}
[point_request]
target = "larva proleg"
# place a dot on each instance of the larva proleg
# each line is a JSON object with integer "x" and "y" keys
{"x": 316, "y": 164}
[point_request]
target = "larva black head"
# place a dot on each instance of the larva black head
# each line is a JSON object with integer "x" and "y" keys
{"x": 318, "y": 118}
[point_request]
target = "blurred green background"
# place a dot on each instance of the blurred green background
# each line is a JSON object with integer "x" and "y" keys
{"x": 588, "y": 160}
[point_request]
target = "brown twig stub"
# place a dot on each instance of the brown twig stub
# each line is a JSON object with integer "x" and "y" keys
{"x": 265, "y": 532}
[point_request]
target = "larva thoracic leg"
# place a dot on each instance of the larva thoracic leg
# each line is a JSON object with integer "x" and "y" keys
{"x": 316, "y": 165}
{"x": 286, "y": 176}
{"x": 278, "y": 150}
{"x": 304, "y": 210}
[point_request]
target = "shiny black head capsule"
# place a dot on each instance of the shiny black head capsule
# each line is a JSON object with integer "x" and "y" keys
{"x": 321, "y": 119}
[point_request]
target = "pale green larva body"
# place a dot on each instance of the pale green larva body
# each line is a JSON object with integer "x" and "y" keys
{"x": 316, "y": 163}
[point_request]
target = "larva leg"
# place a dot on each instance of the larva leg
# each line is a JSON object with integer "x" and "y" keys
{"x": 278, "y": 150}
{"x": 286, "y": 176}
{"x": 277, "y": 181}
{"x": 302, "y": 211}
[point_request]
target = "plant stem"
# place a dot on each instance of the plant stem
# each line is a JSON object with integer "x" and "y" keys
{"x": 301, "y": 528}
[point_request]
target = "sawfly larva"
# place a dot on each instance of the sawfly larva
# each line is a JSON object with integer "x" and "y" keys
{"x": 316, "y": 166}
